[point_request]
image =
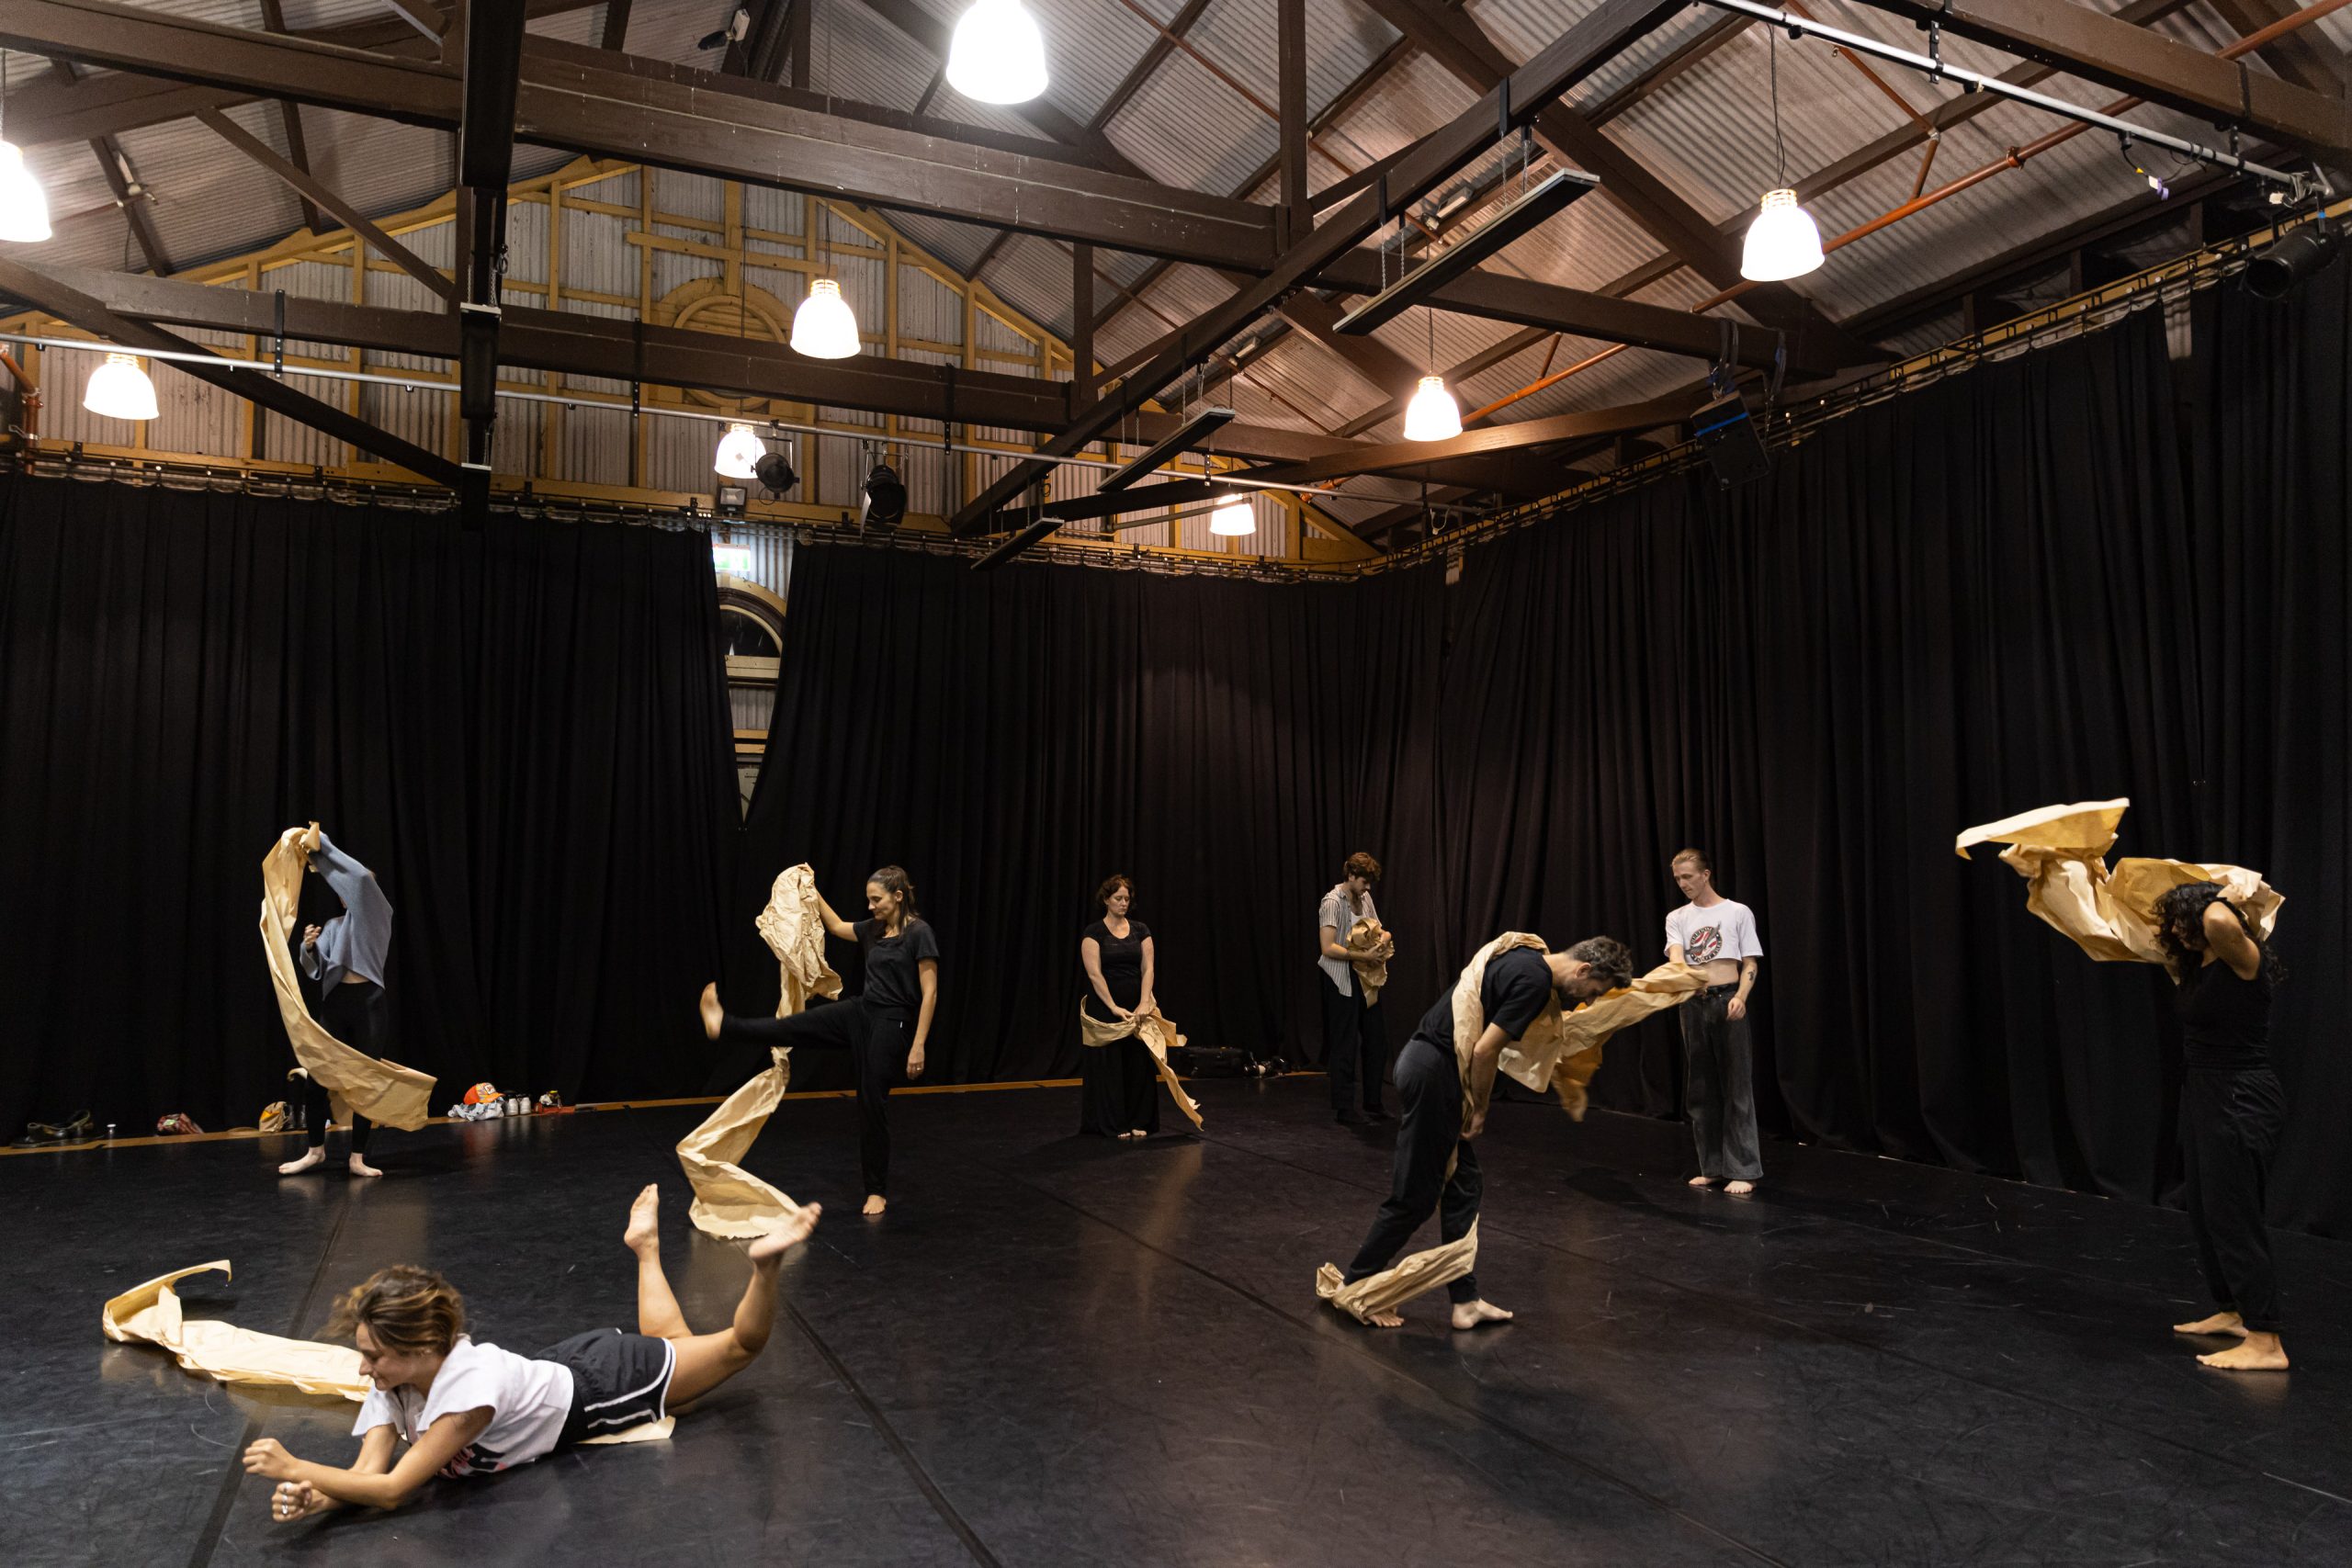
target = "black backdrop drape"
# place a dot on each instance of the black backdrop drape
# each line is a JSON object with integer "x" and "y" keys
{"x": 2034, "y": 582}
{"x": 521, "y": 730}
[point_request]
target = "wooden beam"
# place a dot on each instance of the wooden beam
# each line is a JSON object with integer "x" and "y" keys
{"x": 2135, "y": 60}
{"x": 2304, "y": 57}
{"x": 315, "y": 192}
{"x": 1291, "y": 72}
{"x": 69, "y": 304}
{"x": 1584, "y": 48}
{"x": 797, "y": 45}
{"x": 1371, "y": 361}
{"x": 131, "y": 195}
{"x": 1081, "y": 315}
{"x": 614, "y": 34}
{"x": 428, "y": 19}
{"x": 289, "y": 124}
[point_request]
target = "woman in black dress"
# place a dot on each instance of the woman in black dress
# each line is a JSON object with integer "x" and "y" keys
{"x": 884, "y": 1028}
{"x": 1122, "y": 1093}
{"x": 2232, "y": 1112}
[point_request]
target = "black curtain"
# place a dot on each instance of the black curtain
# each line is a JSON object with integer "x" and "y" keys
{"x": 523, "y": 730}
{"x": 2270, "y": 422}
{"x": 1013, "y": 737}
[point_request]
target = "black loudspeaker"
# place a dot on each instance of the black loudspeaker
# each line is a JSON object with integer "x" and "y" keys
{"x": 1734, "y": 447}
{"x": 1208, "y": 1062}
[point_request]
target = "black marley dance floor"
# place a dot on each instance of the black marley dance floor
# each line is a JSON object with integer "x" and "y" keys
{"x": 1064, "y": 1351}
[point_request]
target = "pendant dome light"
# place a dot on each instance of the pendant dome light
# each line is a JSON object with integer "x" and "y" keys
{"x": 24, "y": 206}
{"x": 1233, "y": 518}
{"x": 1783, "y": 241}
{"x": 738, "y": 455}
{"x": 824, "y": 328}
{"x": 120, "y": 390}
{"x": 1433, "y": 415}
{"x": 998, "y": 55}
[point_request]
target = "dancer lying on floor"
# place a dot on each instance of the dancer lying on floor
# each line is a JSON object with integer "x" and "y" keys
{"x": 1446, "y": 1077}
{"x": 467, "y": 1409}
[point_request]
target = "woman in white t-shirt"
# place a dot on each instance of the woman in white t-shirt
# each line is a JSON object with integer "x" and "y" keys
{"x": 469, "y": 1409}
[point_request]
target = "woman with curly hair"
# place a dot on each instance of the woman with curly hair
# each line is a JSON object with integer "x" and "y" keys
{"x": 469, "y": 1409}
{"x": 2232, "y": 1112}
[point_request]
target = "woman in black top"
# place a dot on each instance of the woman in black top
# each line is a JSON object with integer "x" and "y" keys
{"x": 884, "y": 1028}
{"x": 1122, "y": 1093}
{"x": 2232, "y": 1112}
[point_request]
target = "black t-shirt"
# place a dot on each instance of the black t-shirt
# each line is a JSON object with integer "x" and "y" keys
{"x": 1121, "y": 960}
{"x": 1516, "y": 987}
{"x": 891, "y": 978}
{"x": 2225, "y": 1021}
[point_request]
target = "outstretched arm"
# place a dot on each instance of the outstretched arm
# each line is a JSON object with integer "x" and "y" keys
{"x": 834, "y": 924}
{"x": 291, "y": 1500}
{"x": 388, "y": 1489}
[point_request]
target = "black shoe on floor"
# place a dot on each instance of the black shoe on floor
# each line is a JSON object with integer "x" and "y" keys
{"x": 1352, "y": 1119}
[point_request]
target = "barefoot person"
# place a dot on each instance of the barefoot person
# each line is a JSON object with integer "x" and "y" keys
{"x": 2232, "y": 1112}
{"x": 344, "y": 959}
{"x": 469, "y": 1409}
{"x": 884, "y": 1029}
{"x": 1121, "y": 1093}
{"x": 1517, "y": 985}
{"x": 1356, "y": 1037}
{"x": 1716, "y": 936}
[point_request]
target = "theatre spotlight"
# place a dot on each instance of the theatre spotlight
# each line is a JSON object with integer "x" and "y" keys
{"x": 774, "y": 470}
{"x": 886, "y": 498}
{"x": 2291, "y": 258}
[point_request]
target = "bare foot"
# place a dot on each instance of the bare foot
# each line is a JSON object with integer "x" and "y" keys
{"x": 2220, "y": 1323}
{"x": 1383, "y": 1320}
{"x": 1738, "y": 1189}
{"x": 1477, "y": 1314}
{"x": 309, "y": 1157}
{"x": 1701, "y": 1181}
{"x": 713, "y": 1015}
{"x": 361, "y": 1168}
{"x": 2260, "y": 1353}
{"x": 876, "y": 1202}
{"x": 644, "y": 1220}
{"x": 790, "y": 1233}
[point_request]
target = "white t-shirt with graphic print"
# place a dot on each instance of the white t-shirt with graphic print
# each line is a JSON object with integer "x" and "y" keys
{"x": 530, "y": 1401}
{"x": 1725, "y": 930}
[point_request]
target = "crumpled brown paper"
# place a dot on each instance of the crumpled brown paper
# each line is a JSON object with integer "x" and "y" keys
{"x": 150, "y": 1314}
{"x": 1392, "y": 1286}
{"x": 728, "y": 1199}
{"x": 1371, "y": 974}
{"x": 1158, "y": 1034}
{"x": 2061, "y": 850}
{"x": 384, "y": 1092}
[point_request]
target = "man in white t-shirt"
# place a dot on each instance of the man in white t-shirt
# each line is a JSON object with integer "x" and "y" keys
{"x": 1717, "y": 935}
{"x": 1355, "y": 1034}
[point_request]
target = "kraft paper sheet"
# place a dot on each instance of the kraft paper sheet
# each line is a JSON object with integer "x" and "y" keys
{"x": 384, "y": 1092}
{"x": 1391, "y": 1288}
{"x": 1371, "y": 974}
{"x": 728, "y": 1199}
{"x": 2061, "y": 850}
{"x": 1158, "y": 1034}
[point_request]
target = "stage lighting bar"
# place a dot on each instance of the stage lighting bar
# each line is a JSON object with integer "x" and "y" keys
{"x": 1555, "y": 191}
{"x": 1204, "y": 423}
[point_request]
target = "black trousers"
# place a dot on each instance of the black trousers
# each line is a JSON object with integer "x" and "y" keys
{"x": 879, "y": 1040}
{"x": 1120, "y": 1090}
{"x": 1719, "y": 1086}
{"x": 1430, "y": 1134}
{"x": 354, "y": 1015}
{"x": 2230, "y": 1124}
{"x": 1355, "y": 1044}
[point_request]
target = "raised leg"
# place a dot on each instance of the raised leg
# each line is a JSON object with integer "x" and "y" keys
{"x": 706, "y": 1361}
{"x": 657, "y": 1308}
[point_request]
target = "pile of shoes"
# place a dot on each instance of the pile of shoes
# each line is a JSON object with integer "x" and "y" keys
{"x": 76, "y": 1129}
{"x": 177, "y": 1123}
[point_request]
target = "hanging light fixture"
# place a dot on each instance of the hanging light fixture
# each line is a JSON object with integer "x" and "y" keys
{"x": 120, "y": 390}
{"x": 1433, "y": 415}
{"x": 998, "y": 55}
{"x": 740, "y": 452}
{"x": 24, "y": 207}
{"x": 1783, "y": 241}
{"x": 1233, "y": 518}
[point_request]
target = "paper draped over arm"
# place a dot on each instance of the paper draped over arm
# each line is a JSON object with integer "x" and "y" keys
{"x": 150, "y": 1314}
{"x": 1159, "y": 1035}
{"x": 1371, "y": 974}
{"x": 384, "y": 1092}
{"x": 2061, "y": 850}
{"x": 728, "y": 1199}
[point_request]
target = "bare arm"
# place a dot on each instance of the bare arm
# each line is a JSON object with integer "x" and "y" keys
{"x": 1089, "y": 952}
{"x": 1674, "y": 955}
{"x": 928, "y": 972}
{"x": 2226, "y": 935}
{"x": 1328, "y": 943}
{"x": 1738, "y": 1007}
{"x": 833, "y": 922}
{"x": 1484, "y": 1057}
{"x": 434, "y": 1448}
{"x": 291, "y": 1500}
{"x": 1151, "y": 967}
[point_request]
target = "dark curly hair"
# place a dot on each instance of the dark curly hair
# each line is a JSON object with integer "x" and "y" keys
{"x": 1111, "y": 885}
{"x": 1607, "y": 958}
{"x": 1362, "y": 864}
{"x": 2180, "y": 911}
